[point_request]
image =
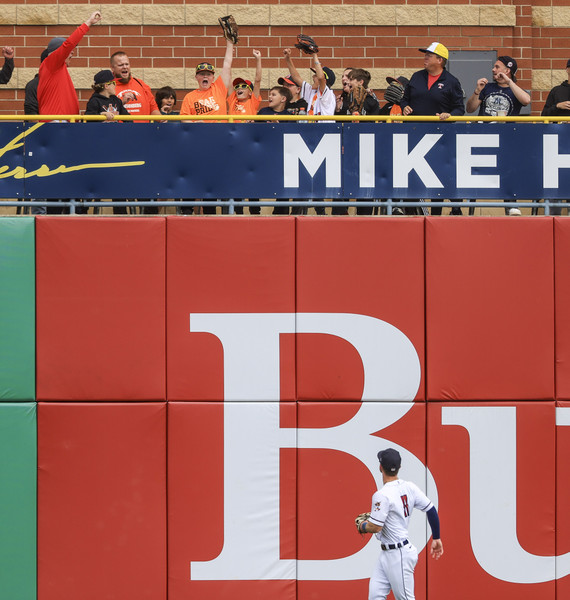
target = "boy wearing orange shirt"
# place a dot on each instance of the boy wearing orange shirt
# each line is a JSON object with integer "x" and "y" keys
{"x": 210, "y": 97}
{"x": 245, "y": 97}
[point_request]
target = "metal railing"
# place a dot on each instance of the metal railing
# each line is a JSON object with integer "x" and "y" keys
{"x": 229, "y": 205}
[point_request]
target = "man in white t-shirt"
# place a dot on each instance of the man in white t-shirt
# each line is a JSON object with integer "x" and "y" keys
{"x": 318, "y": 95}
{"x": 389, "y": 518}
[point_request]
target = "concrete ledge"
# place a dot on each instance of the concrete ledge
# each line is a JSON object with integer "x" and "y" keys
{"x": 280, "y": 14}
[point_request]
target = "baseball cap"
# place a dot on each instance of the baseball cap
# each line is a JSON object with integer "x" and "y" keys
{"x": 402, "y": 80}
{"x": 104, "y": 76}
{"x": 329, "y": 75}
{"x": 247, "y": 82}
{"x": 438, "y": 49}
{"x": 287, "y": 79}
{"x": 54, "y": 44}
{"x": 205, "y": 66}
{"x": 509, "y": 62}
{"x": 390, "y": 459}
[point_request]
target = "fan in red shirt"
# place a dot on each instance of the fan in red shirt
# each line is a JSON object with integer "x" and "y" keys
{"x": 56, "y": 92}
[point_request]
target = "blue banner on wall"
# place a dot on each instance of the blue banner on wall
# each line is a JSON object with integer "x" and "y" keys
{"x": 285, "y": 160}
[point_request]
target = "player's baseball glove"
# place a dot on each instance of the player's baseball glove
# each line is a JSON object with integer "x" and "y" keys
{"x": 360, "y": 519}
{"x": 230, "y": 28}
{"x": 359, "y": 94}
{"x": 306, "y": 44}
{"x": 394, "y": 93}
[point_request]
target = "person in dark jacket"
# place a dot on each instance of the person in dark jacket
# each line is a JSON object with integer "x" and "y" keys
{"x": 104, "y": 101}
{"x": 558, "y": 102}
{"x": 8, "y": 67}
{"x": 434, "y": 91}
{"x": 558, "y": 105}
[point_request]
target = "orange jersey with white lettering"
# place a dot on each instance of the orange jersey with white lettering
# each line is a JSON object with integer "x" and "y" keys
{"x": 206, "y": 102}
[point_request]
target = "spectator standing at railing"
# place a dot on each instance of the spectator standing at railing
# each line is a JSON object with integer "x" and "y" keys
{"x": 558, "y": 102}
{"x": 297, "y": 104}
{"x": 31, "y": 108}
{"x": 210, "y": 98}
{"x": 138, "y": 99}
{"x": 434, "y": 91}
{"x": 245, "y": 99}
{"x": 31, "y": 91}
{"x": 500, "y": 97}
{"x": 343, "y": 99}
{"x": 8, "y": 67}
{"x": 558, "y": 105}
{"x": 319, "y": 96}
{"x": 279, "y": 97}
{"x": 56, "y": 92}
{"x": 134, "y": 93}
{"x": 166, "y": 100}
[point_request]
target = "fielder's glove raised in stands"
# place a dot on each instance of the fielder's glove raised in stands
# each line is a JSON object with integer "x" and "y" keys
{"x": 394, "y": 93}
{"x": 359, "y": 94}
{"x": 360, "y": 519}
{"x": 306, "y": 44}
{"x": 230, "y": 28}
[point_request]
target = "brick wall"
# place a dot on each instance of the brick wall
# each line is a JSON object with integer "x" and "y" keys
{"x": 166, "y": 38}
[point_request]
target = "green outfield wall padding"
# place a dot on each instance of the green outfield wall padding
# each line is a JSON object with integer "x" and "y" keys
{"x": 18, "y": 506}
{"x": 17, "y": 309}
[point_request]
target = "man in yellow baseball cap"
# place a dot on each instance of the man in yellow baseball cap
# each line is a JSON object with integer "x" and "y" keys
{"x": 434, "y": 91}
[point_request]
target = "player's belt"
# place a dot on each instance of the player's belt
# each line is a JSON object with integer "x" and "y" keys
{"x": 393, "y": 546}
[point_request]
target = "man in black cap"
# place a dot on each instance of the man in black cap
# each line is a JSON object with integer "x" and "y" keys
{"x": 389, "y": 519}
{"x": 297, "y": 103}
{"x": 6, "y": 72}
{"x": 501, "y": 97}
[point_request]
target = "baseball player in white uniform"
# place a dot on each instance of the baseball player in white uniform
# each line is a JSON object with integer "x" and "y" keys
{"x": 389, "y": 517}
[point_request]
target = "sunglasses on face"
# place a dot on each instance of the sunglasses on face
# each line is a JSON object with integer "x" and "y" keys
{"x": 241, "y": 86}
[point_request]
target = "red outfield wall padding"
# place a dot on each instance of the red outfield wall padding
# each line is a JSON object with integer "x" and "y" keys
{"x": 562, "y": 287}
{"x": 498, "y": 528}
{"x": 562, "y": 495}
{"x": 231, "y": 500}
{"x": 102, "y": 501}
{"x": 360, "y": 267}
{"x": 100, "y": 308}
{"x": 490, "y": 309}
{"x": 223, "y": 267}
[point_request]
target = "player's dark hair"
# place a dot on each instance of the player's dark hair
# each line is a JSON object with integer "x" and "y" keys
{"x": 360, "y": 75}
